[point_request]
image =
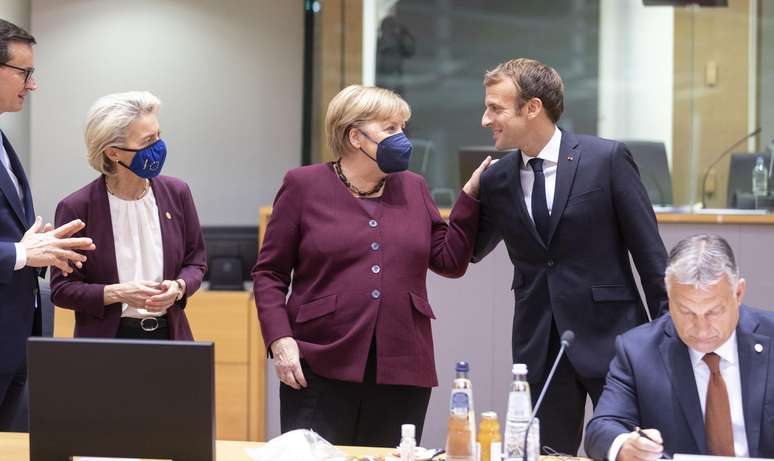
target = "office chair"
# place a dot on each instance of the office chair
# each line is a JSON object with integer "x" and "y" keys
{"x": 651, "y": 159}
{"x": 423, "y": 149}
{"x": 740, "y": 179}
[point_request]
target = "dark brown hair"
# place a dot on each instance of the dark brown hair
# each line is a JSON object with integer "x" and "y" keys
{"x": 10, "y": 32}
{"x": 532, "y": 79}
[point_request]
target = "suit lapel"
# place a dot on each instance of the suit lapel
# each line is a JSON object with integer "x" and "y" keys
{"x": 753, "y": 369}
{"x": 518, "y": 196}
{"x": 680, "y": 369}
{"x": 7, "y": 187}
{"x": 167, "y": 226}
{"x": 101, "y": 232}
{"x": 569, "y": 157}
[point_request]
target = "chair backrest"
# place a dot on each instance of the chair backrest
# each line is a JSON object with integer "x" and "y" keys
{"x": 740, "y": 178}
{"x": 46, "y": 309}
{"x": 651, "y": 159}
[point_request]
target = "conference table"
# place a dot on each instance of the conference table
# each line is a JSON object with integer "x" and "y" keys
{"x": 15, "y": 446}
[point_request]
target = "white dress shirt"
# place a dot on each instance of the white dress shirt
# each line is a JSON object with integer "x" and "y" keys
{"x": 550, "y": 156}
{"x": 729, "y": 369}
{"x": 137, "y": 238}
{"x": 21, "y": 253}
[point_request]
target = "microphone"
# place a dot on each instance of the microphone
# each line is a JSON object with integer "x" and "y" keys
{"x": 566, "y": 341}
{"x": 719, "y": 158}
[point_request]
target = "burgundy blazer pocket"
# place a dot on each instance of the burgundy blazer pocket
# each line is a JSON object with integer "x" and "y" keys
{"x": 607, "y": 293}
{"x": 422, "y": 305}
{"x": 316, "y": 309}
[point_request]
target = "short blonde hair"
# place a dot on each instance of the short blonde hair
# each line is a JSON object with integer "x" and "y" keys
{"x": 356, "y": 105}
{"x": 108, "y": 120}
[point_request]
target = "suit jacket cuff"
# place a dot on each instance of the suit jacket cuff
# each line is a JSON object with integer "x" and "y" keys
{"x": 275, "y": 325}
{"x": 618, "y": 442}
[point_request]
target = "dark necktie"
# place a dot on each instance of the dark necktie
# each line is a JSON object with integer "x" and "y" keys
{"x": 539, "y": 205}
{"x": 717, "y": 414}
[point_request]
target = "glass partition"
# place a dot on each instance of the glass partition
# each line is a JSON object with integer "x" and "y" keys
{"x": 683, "y": 86}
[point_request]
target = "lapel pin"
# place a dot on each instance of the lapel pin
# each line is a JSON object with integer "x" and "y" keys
{"x": 758, "y": 348}
{"x": 569, "y": 157}
{"x": 168, "y": 215}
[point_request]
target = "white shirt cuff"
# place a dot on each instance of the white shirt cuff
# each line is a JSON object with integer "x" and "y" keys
{"x": 618, "y": 442}
{"x": 21, "y": 257}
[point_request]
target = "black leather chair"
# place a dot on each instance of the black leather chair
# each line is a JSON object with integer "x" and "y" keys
{"x": 740, "y": 179}
{"x": 651, "y": 159}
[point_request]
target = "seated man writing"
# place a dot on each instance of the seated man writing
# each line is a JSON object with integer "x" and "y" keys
{"x": 698, "y": 380}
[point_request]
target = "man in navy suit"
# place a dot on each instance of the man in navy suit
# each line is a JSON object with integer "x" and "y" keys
{"x": 699, "y": 380}
{"x": 25, "y": 244}
{"x": 570, "y": 208}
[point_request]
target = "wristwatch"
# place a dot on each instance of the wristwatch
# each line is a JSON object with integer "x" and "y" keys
{"x": 180, "y": 291}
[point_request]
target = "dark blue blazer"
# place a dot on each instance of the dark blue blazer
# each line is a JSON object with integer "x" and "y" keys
{"x": 582, "y": 277}
{"x": 651, "y": 385}
{"x": 18, "y": 289}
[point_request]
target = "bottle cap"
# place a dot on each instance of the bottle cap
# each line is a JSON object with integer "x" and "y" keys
{"x": 463, "y": 367}
{"x": 519, "y": 368}
{"x": 489, "y": 415}
{"x": 407, "y": 430}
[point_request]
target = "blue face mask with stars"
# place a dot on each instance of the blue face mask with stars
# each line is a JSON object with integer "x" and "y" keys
{"x": 148, "y": 161}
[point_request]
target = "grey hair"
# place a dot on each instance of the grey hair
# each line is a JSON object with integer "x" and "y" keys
{"x": 702, "y": 260}
{"x": 107, "y": 122}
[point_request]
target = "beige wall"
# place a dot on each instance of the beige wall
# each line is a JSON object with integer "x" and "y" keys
{"x": 17, "y": 125}
{"x": 229, "y": 73}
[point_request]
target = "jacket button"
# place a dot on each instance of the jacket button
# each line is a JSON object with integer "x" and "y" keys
{"x": 373, "y": 223}
{"x": 551, "y": 263}
{"x": 375, "y": 246}
{"x": 376, "y": 269}
{"x": 376, "y": 294}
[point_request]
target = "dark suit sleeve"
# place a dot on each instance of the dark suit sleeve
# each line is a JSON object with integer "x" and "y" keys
{"x": 73, "y": 291}
{"x": 617, "y": 409}
{"x": 488, "y": 234}
{"x": 637, "y": 223}
{"x": 451, "y": 245}
{"x": 277, "y": 258}
{"x": 195, "y": 255}
{"x": 7, "y": 261}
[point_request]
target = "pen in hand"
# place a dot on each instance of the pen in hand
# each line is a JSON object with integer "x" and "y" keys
{"x": 642, "y": 434}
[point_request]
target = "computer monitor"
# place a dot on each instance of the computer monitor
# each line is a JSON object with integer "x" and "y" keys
{"x": 231, "y": 255}
{"x": 121, "y": 398}
{"x": 470, "y": 157}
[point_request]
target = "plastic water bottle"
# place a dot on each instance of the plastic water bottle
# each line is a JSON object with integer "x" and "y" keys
{"x": 760, "y": 180}
{"x": 408, "y": 442}
{"x": 519, "y": 412}
{"x": 461, "y": 437}
{"x": 462, "y": 393}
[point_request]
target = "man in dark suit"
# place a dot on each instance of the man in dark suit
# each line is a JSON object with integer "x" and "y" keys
{"x": 25, "y": 244}
{"x": 701, "y": 378}
{"x": 570, "y": 208}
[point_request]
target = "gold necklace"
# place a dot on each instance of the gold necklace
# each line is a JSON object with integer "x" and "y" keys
{"x": 144, "y": 191}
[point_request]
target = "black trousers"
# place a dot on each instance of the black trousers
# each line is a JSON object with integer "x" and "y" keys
{"x": 126, "y": 331}
{"x": 12, "y": 399}
{"x": 346, "y": 413}
{"x": 563, "y": 408}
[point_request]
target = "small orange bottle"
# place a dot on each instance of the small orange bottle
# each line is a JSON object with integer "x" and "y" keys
{"x": 489, "y": 439}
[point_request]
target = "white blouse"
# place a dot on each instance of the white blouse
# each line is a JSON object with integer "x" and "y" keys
{"x": 137, "y": 238}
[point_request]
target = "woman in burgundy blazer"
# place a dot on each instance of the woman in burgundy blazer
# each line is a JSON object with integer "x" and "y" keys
{"x": 101, "y": 300}
{"x": 355, "y": 239}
